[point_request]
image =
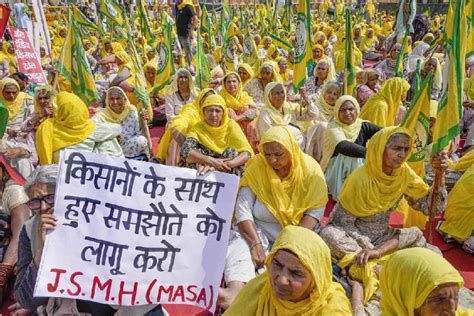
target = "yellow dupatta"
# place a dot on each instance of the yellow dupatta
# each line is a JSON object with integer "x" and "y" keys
{"x": 173, "y": 86}
{"x": 14, "y": 106}
{"x": 227, "y": 135}
{"x": 257, "y": 298}
{"x": 323, "y": 53}
{"x": 71, "y": 126}
{"x": 275, "y": 70}
{"x": 459, "y": 221}
{"x": 47, "y": 89}
{"x": 302, "y": 190}
{"x": 108, "y": 115}
{"x": 249, "y": 70}
{"x": 184, "y": 4}
{"x": 337, "y": 131}
{"x": 241, "y": 99}
{"x": 408, "y": 278}
{"x": 369, "y": 191}
{"x": 326, "y": 111}
{"x": 279, "y": 119}
{"x": 382, "y": 108}
{"x": 182, "y": 122}
{"x": 367, "y": 43}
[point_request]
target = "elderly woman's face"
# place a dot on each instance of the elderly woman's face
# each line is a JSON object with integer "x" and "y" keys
{"x": 395, "y": 51}
{"x": 372, "y": 81}
{"x": 116, "y": 102}
{"x": 283, "y": 66}
{"x": 347, "y": 113}
{"x": 41, "y": 198}
{"x": 396, "y": 151}
{"x": 290, "y": 280}
{"x": 232, "y": 84}
{"x": 276, "y": 155}
{"x": 213, "y": 115}
{"x": 442, "y": 301}
{"x": 317, "y": 53}
{"x": 331, "y": 95}
{"x": 244, "y": 75}
{"x": 150, "y": 74}
{"x": 10, "y": 92}
{"x": 322, "y": 70}
{"x": 183, "y": 81}
{"x": 430, "y": 65}
{"x": 277, "y": 96}
{"x": 267, "y": 74}
{"x": 44, "y": 100}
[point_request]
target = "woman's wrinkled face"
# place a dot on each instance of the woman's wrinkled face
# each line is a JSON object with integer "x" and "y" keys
{"x": 372, "y": 80}
{"x": 213, "y": 115}
{"x": 442, "y": 301}
{"x": 322, "y": 70}
{"x": 232, "y": 84}
{"x": 276, "y": 155}
{"x": 396, "y": 152}
{"x": 347, "y": 113}
{"x": 429, "y": 66}
{"x": 244, "y": 75}
{"x": 44, "y": 101}
{"x": 277, "y": 96}
{"x": 150, "y": 74}
{"x": 10, "y": 92}
{"x": 290, "y": 279}
{"x": 183, "y": 81}
{"x": 331, "y": 95}
{"x": 267, "y": 74}
{"x": 395, "y": 51}
{"x": 116, "y": 102}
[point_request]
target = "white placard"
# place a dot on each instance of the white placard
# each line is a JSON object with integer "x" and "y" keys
{"x": 134, "y": 233}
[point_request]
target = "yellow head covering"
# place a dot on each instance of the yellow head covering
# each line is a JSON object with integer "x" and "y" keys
{"x": 108, "y": 115}
{"x": 125, "y": 59}
{"x": 275, "y": 70}
{"x": 408, "y": 278}
{"x": 382, "y": 108}
{"x": 368, "y": 190}
{"x": 270, "y": 51}
{"x": 367, "y": 43}
{"x": 241, "y": 99}
{"x": 227, "y": 135}
{"x": 173, "y": 87}
{"x": 323, "y": 54}
{"x": 302, "y": 190}
{"x": 185, "y": 3}
{"x": 249, "y": 70}
{"x": 337, "y": 131}
{"x": 71, "y": 126}
{"x": 187, "y": 117}
{"x": 327, "y": 298}
{"x": 48, "y": 89}
{"x": 14, "y": 106}
{"x": 459, "y": 221}
{"x": 288, "y": 108}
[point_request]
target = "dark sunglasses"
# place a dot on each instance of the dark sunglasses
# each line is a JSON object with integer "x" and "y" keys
{"x": 35, "y": 204}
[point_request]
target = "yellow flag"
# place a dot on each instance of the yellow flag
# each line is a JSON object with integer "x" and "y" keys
{"x": 470, "y": 40}
{"x": 450, "y": 104}
{"x": 165, "y": 68}
{"x": 303, "y": 52}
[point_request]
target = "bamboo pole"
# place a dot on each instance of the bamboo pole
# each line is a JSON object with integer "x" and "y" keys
{"x": 434, "y": 201}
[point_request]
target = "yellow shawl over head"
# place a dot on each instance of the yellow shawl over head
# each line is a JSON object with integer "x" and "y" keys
{"x": 326, "y": 111}
{"x": 337, "y": 131}
{"x": 14, "y": 106}
{"x": 173, "y": 87}
{"x": 408, "y": 278}
{"x": 249, "y": 70}
{"x": 71, "y": 126}
{"x": 327, "y": 298}
{"x": 369, "y": 191}
{"x": 187, "y": 117}
{"x": 108, "y": 115}
{"x": 280, "y": 119}
{"x": 184, "y": 4}
{"x": 241, "y": 99}
{"x": 275, "y": 70}
{"x": 47, "y": 89}
{"x": 227, "y": 135}
{"x": 382, "y": 108}
{"x": 302, "y": 190}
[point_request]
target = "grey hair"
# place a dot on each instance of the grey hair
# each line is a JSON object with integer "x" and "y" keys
{"x": 395, "y": 137}
{"x": 332, "y": 83}
{"x": 47, "y": 174}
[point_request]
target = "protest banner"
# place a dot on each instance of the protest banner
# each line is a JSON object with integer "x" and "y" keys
{"x": 133, "y": 233}
{"x": 4, "y": 16}
{"x": 28, "y": 61}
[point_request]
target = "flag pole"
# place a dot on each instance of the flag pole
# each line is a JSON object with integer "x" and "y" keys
{"x": 434, "y": 203}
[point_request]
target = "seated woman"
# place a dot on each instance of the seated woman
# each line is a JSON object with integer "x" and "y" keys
{"x": 385, "y": 107}
{"x": 298, "y": 280}
{"x": 279, "y": 112}
{"x": 427, "y": 66}
{"x": 368, "y": 86}
{"x": 281, "y": 186}
{"x": 246, "y": 73}
{"x": 40, "y": 187}
{"x": 285, "y": 73}
{"x": 267, "y": 73}
{"x": 118, "y": 110}
{"x": 71, "y": 128}
{"x": 323, "y": 72}
{"x": 241, "y": 106}
{"x": 180, "y": 92}
{"x": 216, "y": 142}
{"x": 344, "y": 143}
{"x": 417, "y": 281}
{"x": 386, "y": 68}
{"x": 358, "y": 228}
{"x": 179, "y": 128}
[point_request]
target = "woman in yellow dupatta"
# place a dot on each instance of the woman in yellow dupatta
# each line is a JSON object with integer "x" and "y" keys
{"x": 383, "y": 107}
{"x": 246, "y": 73}
{"x": 180, "y": 126}
{"x": 418, "y": 281}
{"x": 268, "y": 72}
{"x": 216, "y": 142}
{"x": 241, "y": 106}
{"x": 311, "y": 292}
{"x": 8, "y": 54}
{"x": 358, "y": 232}
{"x": 16, "y": 101}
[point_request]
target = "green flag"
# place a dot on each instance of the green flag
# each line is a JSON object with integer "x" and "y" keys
{"x": 203, "y": 73}
{"x": 349, "y": 69}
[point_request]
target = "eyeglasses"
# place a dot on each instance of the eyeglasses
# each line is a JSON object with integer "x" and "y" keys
{"x": 35, "y": 204}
